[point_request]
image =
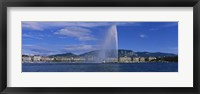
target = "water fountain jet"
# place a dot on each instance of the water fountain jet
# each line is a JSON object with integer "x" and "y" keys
{"x": 109, "y": 50}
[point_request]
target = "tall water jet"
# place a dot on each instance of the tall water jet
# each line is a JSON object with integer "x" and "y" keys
{"x": 109, "y": 50}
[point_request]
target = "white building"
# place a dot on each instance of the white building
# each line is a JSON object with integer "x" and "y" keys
{"x": 125, "y": 59}
{"x": 151, "y": 58}
{"x": 37, "y": 58}
{"x": 27, "y": 59}
{"x": 136, "y": 59}
{"x": 142, "y": 59}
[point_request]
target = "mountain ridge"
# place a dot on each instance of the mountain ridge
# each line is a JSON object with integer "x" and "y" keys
{"x": 121, "y": 53}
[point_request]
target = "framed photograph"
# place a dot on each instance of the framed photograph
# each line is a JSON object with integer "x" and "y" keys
{"x": 131, "y": 46}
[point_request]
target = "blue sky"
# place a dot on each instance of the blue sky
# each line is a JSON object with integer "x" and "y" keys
{"x": 47, "y": 38}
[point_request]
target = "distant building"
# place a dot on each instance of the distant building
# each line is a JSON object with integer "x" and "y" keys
{"x": 151, "y": 58}
{"x": 135, "y": 59}
{"x": 26, "y": 58}
{"x": 124, "y": 59}
{"x": 90, "y": 59}
{"x": 47, "y": 59}
{"x": 78, "y": 59}
{"x": 37, "y": 58}
{"x": 142, "y": 59}
{"x": 64, "y": 59}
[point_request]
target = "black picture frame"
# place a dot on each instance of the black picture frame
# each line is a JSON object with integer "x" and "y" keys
{"x": 101, "y": 3}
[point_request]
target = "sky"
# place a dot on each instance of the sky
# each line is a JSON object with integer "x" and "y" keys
{"x": 48, "y": 38}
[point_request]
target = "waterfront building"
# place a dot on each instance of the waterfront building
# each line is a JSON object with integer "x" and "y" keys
{"x": 90, "y": 58}
{"x": 47, "y": 59}
{"x": 78, "y": 59}
{"x": 70, "y": 59}
{"x": 135, "y": 59}
{"x": 124, "y": 59}
{"x": 151, "y": 58}
{"x": 26, "y": 58}
{"x": 37, "y": 58}
{"x": 142, "y": 59}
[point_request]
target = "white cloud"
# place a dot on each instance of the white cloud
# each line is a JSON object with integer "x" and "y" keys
{"x": 40, "y": 26}
{"x": 32, "y": 25}
{"x": 30, "y": 36}
{"x": 142, "y": 36}
{"x": 170, "y": 25}
{"x": 36, "y": 36}
{"x": 76, "y": 32}
{"x": 153, "y": 29}
{"x": 27, "y": 45}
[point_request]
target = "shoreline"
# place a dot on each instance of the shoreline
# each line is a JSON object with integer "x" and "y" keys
{"x": 101, "y": 63}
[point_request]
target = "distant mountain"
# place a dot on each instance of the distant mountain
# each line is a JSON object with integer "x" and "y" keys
{"x": 90, "y": 54}
{"x": 156, "y": 54}
{"x": 121, "y": 53}
{"x": 128, "y": 53}
{"x": 64, "y": 55}
{"x": 25, "y": 55}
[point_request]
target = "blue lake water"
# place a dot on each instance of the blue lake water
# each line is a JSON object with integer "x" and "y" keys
{"x": 100, "y": 67}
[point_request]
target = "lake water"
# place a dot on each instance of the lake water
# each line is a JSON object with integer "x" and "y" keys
{"x": 100, "y": 67}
